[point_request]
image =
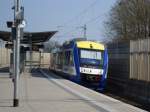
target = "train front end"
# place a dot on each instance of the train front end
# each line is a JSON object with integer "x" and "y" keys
{"x": 93, "y": 61}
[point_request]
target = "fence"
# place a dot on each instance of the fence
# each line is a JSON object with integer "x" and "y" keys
{"x": 118, "y": 72}
{"x": 129, "y": 69}
{"x": 38, "y": 59}
{"x": 4, "y": 57}
{"x": 45, "y": 60}
{"x": 140, "y": 60}
{"x": 139, "y": 83}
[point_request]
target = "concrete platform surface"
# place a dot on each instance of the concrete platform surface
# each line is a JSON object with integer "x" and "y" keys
{"x": 46, "y": 92}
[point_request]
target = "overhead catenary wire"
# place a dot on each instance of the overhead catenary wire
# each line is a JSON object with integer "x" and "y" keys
{"x": 93, "y": 19}
{"x": 86, "y": 23}
{"x": 64, "y": 34}
{"x": 80, "y": 14}
{"x": 76, "y": 17}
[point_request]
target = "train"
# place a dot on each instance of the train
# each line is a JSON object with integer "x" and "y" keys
{"x": 82, "y": 61}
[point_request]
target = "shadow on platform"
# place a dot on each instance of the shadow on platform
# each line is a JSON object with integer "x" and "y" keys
{"x": 4, "y": 72}
{"x": 4, "y": 69}
{"x": 6, "y": 103}
{"x": 35, "y": 72}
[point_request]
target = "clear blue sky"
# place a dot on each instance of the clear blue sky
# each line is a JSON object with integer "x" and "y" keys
{"x": 67, "y": 16}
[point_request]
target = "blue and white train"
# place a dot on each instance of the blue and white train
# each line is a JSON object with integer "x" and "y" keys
{"x": 82, "y": 61}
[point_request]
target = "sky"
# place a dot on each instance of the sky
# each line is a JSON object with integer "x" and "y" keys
{"x": 66, "y": 16}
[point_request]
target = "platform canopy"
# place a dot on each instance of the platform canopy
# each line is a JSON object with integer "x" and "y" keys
{"x": 35, "y": 37}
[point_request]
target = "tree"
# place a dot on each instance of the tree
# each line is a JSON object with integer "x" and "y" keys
{"x": 49, "y": 46}
{"x": 129, "y": 19}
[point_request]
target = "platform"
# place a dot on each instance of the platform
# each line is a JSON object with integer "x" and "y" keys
{"x": 46, "y": 92}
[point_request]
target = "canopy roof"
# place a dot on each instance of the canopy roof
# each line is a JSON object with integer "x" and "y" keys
{"x": 36, "y": 37}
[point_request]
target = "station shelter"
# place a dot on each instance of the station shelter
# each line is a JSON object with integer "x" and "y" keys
{"x": 31, "y": 47}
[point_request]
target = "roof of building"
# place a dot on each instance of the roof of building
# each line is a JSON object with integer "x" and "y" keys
{"x": 36, "y": 37}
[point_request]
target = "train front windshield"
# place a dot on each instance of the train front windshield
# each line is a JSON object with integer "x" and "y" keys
{"x": 91, "y": 54}
{"x": 91, "y": 57}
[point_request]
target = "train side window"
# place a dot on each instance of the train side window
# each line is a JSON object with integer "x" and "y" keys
{"x": 71, "y": 58}
{"x": 68, "y": 58}
{"x": 54, "y": 59}
{"x": 65, "y": 58}
{"x": 57, "y": 59}
{"x": 61, "y": 58}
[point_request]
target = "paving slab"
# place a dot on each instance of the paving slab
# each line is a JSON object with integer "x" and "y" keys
{"x": 46, "y": 92}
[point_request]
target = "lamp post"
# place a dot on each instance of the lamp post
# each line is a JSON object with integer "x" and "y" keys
{"x": 16, "y": 54}
{"x": 17, "y": 33}
{"x": 19, "y": 25}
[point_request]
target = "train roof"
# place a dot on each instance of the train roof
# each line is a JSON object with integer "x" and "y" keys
{"x": 84, "y": 43}
{"x": 90, "y": 45}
